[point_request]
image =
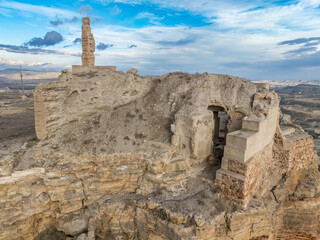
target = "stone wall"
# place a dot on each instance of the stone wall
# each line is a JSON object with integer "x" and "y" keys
{"x": 82, "y": 68}
{"x": 301, "y": 151}
{"x": 193, "y": 135}
{"x": 254, "y": 136}
{"x": 256, "y": 173}
{"x": 244, "y": 179}
{"x": 78, "y": 95}
{"x": 298, "y": 216}
{"x": 47, "y": 105}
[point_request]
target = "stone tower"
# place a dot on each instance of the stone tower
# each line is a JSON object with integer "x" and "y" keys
{"x": 88, "y": 43}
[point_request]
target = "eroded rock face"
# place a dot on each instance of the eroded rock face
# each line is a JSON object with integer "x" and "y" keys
{"x": 88, "y": 43}
{"x": 126, "y": 157}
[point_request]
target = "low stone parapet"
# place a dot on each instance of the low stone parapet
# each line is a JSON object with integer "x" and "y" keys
{"x": 82, "y": 68}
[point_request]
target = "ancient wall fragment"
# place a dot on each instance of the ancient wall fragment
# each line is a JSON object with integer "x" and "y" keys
{"x": 40, "y": 116}
{"x": 88, "y": 43}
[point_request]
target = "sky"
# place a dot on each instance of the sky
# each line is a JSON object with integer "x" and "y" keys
{"x": 255, "y": 39}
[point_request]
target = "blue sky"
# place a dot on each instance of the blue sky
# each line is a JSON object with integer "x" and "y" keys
{"x": 258, "y": 40}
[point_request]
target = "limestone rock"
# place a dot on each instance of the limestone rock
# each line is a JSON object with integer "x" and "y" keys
{"x": 73, "y": 225}
{"x": 133, "y": 71}
{"x": 83, "y": 237}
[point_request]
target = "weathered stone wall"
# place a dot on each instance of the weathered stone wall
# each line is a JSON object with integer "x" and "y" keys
{"x": 298, "y": 216}
{"x": 81, "y": 94}
{"x": 254, "y": 136}
{"x": 48, "y": 110}
{"x": 237, "y": 167}
{"x": 246, "y": 178}
{"x": 301, "y": 151}
{"x": 82, "y": 68}
{"x": 88, "y": 43}
{"x": 243, "y": 180}
{"x": 232, "y": 187}
{"x": 193, "y": 135}
{"x": 256, "y": 174}
{"x": 248, "y": 152}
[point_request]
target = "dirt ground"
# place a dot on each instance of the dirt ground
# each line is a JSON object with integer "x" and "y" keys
{"x": 16, "y": 121}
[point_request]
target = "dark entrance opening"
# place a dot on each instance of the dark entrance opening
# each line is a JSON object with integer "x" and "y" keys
{"x": 221, "y": 122}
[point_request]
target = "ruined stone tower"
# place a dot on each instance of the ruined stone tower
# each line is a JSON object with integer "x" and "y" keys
{"x": 88, "y": 43}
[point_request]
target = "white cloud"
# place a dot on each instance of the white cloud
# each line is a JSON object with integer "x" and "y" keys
{"x": 246, "y": 15}
{"x": 211, "y": 50}
{"x": 115, "y": 10}
{"x": 150, "y": 16}
{"x": 9, "y": 62}
{"x": 242, "y": 31}
{"x": 35, "y": 9}
{"x": 165, "y": 48}
{"x": 6, "y": 12}
{"x": 309, "y": 3}
{"x": 37, "y": 62}
{"x": 273, "y": 18}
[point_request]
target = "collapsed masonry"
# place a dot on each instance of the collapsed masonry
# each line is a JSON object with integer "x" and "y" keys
{"x": 123, "y": 156}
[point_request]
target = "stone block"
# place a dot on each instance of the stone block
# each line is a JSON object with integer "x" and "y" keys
{"x": 251, "y": 125}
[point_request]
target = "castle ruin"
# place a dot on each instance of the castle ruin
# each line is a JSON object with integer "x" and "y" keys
{"x": 180, "y": 156}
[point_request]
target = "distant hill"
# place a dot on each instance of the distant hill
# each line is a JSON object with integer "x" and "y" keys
{"x": 281, "y": 84}
{"x": 10, "y": 77}
{"x": 12, "y": 74}
{"x": 305, "y": 89}
{"x": 12, "y": 71}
